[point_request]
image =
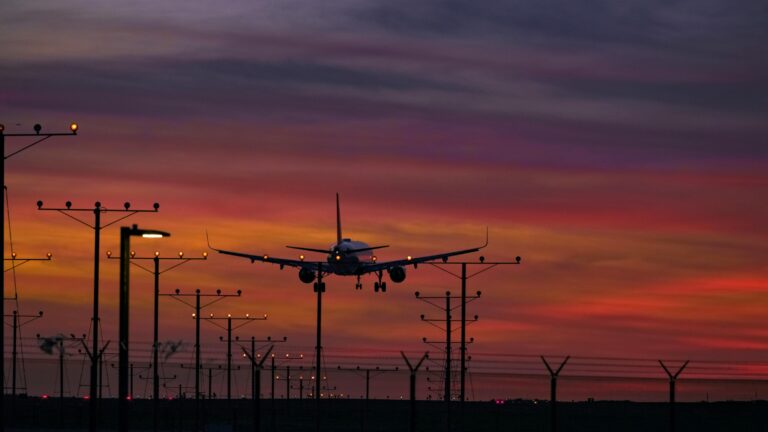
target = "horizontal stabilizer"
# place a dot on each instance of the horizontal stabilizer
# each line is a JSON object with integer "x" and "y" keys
{"x": 322, "y": 251}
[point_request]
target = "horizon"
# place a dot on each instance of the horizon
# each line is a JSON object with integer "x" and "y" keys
{"x": 620, "y": 151}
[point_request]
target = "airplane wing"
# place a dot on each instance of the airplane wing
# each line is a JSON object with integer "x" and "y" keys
{"x": 310, "y": 265}
{"x": 378, "y": 266}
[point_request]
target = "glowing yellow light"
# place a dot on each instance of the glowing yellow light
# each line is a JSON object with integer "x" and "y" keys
{"x": 338, "y": 258}
{"x": 152, "y": 235}
{"x": 49, "y": 255}
{"x": 374, "y": 258}
{"x": 247, "y": 315}
{"x": 205, "y": 254}
{"x": 13, "y": 255}
{"x": 133, "y": 253}
{"x": 193, "y": 315}
{"x": 181, "y": 254}
{"x": 410, "y": 257}
{"x": 301, "y": 257}
{"x": 229, "y": 315}
{"x": 157, "y": 254}
{"x": 266, "y": 257}
{"x": 109, "y": 254}
{"x": 73, "y": 127}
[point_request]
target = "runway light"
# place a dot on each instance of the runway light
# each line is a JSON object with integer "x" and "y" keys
{"x": 49, "y": 255}
{"x": 109, "y": 254}
{"x": 338, "y": 258}
{"x": 133, "y": 254}
{"x": 409, "y": 257}
{"x": 205, "y": 254}
{"x": 13, "y": 255}
{"x": 301, "y": 257}
{"x": 73, "y": 127}
{"x": 266, "y": 257}
{"x": 374, "y": 258}
{"x": 157, "y": 253}
{"x": 181, "y": 254}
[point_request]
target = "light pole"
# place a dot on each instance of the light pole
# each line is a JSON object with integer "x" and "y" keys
{"x": 125, "y": 250}
{"x": 179, "y": 296}
{"x": 95, "y": 352}
{"x": 73, "y": 127}
{"x": 156, "y": 272}
{"x": 257, "y": 364}
{"x": 412, "y": 385}
{"x": 376, "y": 371}
{"x": 672, "y": 381}
{"x": 47, "y": 344}
{"x": 553, "y": 375}
{"x": 18, "y": 320}
{"x": 245, "y": 320}
{"x": 255, "y": 389}
{"x": 21, "y": 261}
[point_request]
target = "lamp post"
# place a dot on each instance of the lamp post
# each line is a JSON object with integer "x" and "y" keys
{"x": 464, "y": 276}
{"x": 73, "y": 127}
{"x": 672, "y": 381}
{"x": 257, "y": 364}
{"x": 21, "y": 261}
{"x": 217, "y": 297}
{"x": 125, "y": 249}
{"x": 245, "y": 320}
{"x": 412, "y": 386}
{"x": 18, "y": 320}
{"x": 95, "y": 352}
{"x": 553, "y": 375}
{"x": 156, "y": 272}
{"x": 376, "y": 371}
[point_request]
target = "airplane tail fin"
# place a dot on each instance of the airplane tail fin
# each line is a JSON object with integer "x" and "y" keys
{"x": 338, "y": 220}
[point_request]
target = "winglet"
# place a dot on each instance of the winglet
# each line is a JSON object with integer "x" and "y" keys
{"x": 486, "y": 239}
{"x": 208, "y": 240}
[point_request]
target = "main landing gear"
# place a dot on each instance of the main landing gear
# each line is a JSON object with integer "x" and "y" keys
{"x": 380, "y": 285}
{"x": 358, "y": 285}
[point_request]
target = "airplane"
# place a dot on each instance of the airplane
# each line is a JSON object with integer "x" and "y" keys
{"x": 348, "y": 257}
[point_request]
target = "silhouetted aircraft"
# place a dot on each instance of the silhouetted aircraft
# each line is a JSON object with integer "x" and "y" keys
{"x": 347, "y": 257}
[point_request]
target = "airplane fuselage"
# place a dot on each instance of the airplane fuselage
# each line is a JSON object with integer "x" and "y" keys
{"x": 344, "y": 258}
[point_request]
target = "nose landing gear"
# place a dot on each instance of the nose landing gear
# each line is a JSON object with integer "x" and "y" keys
{"x": 358, "y": 285}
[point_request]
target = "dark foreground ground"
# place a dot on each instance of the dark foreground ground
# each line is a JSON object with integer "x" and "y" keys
{"x": 26, "y": 414}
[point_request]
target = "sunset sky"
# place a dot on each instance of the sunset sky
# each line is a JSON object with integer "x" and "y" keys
{"x": 619, "y": 148}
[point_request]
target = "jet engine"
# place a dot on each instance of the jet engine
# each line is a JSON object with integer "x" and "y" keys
{"x": 306, "y": 276}
{"x": 396, "y": 274}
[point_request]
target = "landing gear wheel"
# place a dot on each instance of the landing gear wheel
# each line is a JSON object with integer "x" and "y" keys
{"x": 375, "y": 287}
{"x": 383, "y": 287}
{"x": 358, "y": 286}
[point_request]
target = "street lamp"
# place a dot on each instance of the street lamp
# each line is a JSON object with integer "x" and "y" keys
{"x": 125, "y": 251}
{"x": 156, "y": 272}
